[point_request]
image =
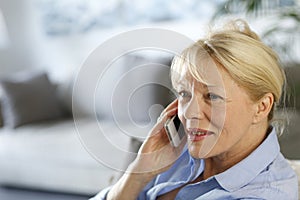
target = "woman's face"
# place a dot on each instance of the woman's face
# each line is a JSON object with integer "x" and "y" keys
{"x": 217, "y": 115}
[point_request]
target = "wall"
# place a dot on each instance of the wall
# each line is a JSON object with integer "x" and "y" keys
{"x": 61, "y": 56}
{"x": 16, "y": 56}
{"x": 30, "y": 48}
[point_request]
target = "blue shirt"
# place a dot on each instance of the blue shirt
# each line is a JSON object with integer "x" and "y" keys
{"x": 264, "y": 174}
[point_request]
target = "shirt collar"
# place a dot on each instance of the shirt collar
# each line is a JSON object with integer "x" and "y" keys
{"x": 247, "y": 169}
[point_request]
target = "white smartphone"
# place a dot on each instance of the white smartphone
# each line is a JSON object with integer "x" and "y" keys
{"x": 175, "y": 130}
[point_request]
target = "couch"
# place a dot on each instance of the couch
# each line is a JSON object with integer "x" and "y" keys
{"x": 50, "y": 156}
{"x": 39, "y": 144}
{"x": 47, "y": 145}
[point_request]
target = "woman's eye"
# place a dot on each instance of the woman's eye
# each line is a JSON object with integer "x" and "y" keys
{"x": 213, "y": 96}
{"x": 183, "y": 94}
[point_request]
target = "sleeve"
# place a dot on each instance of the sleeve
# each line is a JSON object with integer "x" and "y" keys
{"x": 101, "y": 195}
{"x": 142, "y": 196}
{"x": 143, "y": 193}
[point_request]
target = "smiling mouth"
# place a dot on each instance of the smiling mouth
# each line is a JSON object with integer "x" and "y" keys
{"x": 196, "y": 134}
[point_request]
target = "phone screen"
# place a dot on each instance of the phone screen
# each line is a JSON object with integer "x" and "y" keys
{"x": 177, "y": 122}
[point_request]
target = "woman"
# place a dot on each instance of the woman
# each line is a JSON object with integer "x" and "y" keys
{"x": 228, "y": 86}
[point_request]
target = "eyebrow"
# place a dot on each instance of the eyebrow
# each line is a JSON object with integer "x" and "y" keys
{"x": 218, "y": 87}
{"x": 215, "y": 87}
{"x": 211, "y": 85}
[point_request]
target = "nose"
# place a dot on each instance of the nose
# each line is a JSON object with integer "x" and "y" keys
{"x": 194, "y": 108}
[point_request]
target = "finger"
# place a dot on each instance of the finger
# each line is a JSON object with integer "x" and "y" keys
{"x": 159, "y": 129}
{"x": 169, "y": 113}
{"x": 166, "y": 115}
{"x": 173, "y": 104}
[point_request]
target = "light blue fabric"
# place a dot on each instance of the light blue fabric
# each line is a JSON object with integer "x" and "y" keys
{"x": 264, "y": 174}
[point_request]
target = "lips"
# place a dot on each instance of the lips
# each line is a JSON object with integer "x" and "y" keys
{"x": 196, "y": 134}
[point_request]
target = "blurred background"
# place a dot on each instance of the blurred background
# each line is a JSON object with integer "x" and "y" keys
{"x": 44, "y": 45}
{"x": 58, "y": 35}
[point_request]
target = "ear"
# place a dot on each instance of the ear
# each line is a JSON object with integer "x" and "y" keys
{"x": 263, "y": 107}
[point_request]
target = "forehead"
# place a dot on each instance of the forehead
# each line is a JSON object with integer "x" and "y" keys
{"x": 203, "y": 70}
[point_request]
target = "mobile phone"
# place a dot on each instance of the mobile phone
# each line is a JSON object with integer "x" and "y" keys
{"x": 175, "y": 130}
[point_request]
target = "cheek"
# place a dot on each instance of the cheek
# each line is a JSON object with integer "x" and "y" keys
{"x": 181, "y": 112}
{"x": 237, "y": 119}
{"x": 218, "y": 115}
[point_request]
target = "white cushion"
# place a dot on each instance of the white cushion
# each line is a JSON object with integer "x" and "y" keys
{"x": 52, "y": 155}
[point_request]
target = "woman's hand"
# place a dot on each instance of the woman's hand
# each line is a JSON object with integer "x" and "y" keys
{"x": 155, "y": 156}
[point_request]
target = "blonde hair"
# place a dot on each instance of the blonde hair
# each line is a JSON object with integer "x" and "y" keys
{"x": 250, "y": 63}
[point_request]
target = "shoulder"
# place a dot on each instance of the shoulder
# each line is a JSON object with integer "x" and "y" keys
{"x": 277, "y": 181}
{"x": 283, "y": 178}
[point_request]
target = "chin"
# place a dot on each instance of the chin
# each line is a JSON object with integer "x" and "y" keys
{"x": 196, "y": 152}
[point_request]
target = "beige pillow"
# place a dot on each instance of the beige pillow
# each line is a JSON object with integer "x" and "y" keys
{"x": 28, "y": 100}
